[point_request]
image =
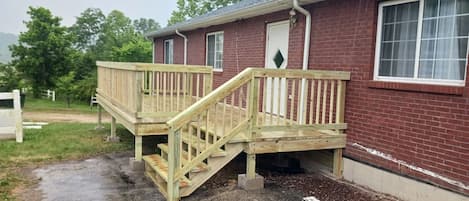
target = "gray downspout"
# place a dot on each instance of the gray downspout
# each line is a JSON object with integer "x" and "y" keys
{"x": 297, "y": 7}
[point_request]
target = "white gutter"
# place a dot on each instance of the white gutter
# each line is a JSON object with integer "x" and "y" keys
{"x": 297, "y": 7}
{"x": 185, "y": 45}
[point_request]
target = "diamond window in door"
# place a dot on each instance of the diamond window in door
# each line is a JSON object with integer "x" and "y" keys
{"x": 278, "y": 59}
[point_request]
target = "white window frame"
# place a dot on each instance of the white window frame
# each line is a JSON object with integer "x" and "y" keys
{"x": 215, "y": 52}
{"x": 171, "y": 42}
{"x": 414, "y": 79}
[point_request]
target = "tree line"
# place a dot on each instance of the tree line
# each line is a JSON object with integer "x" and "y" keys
{"x": 52, "y": 56}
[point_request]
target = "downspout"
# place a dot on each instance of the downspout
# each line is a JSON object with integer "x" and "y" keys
{"x": 297, "y": 7}
{"x": 185, "y": 45}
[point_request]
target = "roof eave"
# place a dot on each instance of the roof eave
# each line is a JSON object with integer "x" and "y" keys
{"x": 256, "y": 10}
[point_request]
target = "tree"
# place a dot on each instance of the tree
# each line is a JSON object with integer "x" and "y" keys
{"x": 136, "y": 50}
{"x": 144, "y": 26}
{"x": 41, "y": 54}
{"x": 191, "y": 8}
{"x": 87, "y": 28}
{"x": 66, "y": 87}
{"x": 9, "y": 78}
{"x": 117, "y": 30}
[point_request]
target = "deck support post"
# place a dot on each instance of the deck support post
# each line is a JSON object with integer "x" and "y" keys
{"x": 251, "y": 166}
{"x": 338, "y": 166}
{"x": 251, "y": 180}
{"x": 138, "y": 148}
{"x": 174, "y": 138}
{"x": 113, "y": 137}
{"x": 100, "y": 118}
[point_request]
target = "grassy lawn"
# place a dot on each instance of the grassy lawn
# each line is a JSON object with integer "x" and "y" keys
{"x": 55, "y": 142}
{"x": 33, "y": 104}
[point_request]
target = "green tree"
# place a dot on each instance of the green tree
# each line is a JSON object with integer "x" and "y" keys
{"x": 87, "y": 28}
{"x": 66, "y": 87}
{"x": 191, "y": 8}
{"x": 136, "y": 50}
{"x": 143, "y": 25}
{"x": 117, "y": 30}
{"x": 41, "y": 54}
{"x": 9, "y": 78}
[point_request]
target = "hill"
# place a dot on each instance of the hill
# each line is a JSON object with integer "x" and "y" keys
{"x": 6, "y": 39}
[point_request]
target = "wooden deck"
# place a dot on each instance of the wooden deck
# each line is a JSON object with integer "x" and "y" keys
{"x": 258, "y": 111}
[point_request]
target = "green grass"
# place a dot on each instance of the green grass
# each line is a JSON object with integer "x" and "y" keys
{"x": 55, "y": 142}
{"x": 40, "y": 105}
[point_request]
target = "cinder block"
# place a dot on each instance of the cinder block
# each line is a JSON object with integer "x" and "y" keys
{"x": 250, "y": 184}
{"x": 136, "y": 165}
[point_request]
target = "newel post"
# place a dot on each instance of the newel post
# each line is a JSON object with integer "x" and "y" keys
{"x": 338, "y": 166}
{"x": 253, "y": 108}
{"x": 174, "y": 138}
{"x": 138, "y": 91}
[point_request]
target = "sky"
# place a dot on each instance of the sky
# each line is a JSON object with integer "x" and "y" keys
{"x": 13, "y": 12}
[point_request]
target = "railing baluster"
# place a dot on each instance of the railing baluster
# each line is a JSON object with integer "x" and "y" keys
{"x": 324, "y": 102}
{"x": 285, "y": 108}
{"x": 197, "y": 87}
{"x": 223, "y": 117}
{"x": 272, "y": 84}
{"x": 264, "y": 101}
{"x": 279, "y": 96}
{"x": 292, "y": 100}
{"x": 318, "y": 101}
{"x": 311, "y": 102}
{"x": 164, "y": 92}
{"x": 231, "y": 109}
{"x": 178, "y": 86}
{"x": 331, "y": 101}
{"x": 158, "y": 80}
{"x": 184, "y": 89}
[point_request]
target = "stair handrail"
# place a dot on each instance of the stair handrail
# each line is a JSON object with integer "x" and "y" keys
{"x": 249, "y": 78}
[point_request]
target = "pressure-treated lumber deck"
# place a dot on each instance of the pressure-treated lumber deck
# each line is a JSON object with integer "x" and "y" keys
{"x": 258, "y": 111}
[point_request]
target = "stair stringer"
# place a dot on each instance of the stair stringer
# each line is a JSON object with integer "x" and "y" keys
{"x": 215, "y": 165}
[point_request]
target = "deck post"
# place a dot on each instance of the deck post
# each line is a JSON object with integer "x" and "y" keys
{"x": 251, "y": 180}
{"x": 138, "y": 148}
{"x": 338, "y": 166}
{"x": 100, "y": 118}
{"x": 251, "y": 166}
{"x": 174, "y": 138}
{"x": 113, "y": 137}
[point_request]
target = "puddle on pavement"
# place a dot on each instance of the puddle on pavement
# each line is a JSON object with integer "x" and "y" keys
{"x": 104, "y": 178}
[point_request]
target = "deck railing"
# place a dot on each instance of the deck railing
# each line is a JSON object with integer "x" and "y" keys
{"x": 254, "y": 101}
{"x": 145, "y": 90}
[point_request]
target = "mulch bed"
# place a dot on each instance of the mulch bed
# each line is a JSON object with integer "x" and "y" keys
{"x": 305, "y": 184}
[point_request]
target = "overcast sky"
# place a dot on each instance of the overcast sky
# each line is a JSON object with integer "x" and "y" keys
{"x": 13, "y": 12}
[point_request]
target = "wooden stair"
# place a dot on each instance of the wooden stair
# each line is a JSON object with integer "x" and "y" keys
{"x": 156, "y": 165}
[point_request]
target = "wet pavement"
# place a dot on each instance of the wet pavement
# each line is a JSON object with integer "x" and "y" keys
{"x": 104, "y": 178}
{"x": 109, "y": 177}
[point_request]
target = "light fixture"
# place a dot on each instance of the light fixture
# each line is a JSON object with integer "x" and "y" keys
{"x": 293, "y": 18}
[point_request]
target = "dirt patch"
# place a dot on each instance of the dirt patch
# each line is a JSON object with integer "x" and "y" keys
{"x": 63, "y": 117}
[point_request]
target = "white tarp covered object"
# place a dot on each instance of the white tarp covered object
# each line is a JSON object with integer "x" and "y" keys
{"x": 10, "y": 118}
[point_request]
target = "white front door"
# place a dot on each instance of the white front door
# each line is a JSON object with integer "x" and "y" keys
{"x": 276, "y": 57}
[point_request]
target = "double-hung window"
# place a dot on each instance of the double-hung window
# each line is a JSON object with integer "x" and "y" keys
{"x": 215, "y": 50}
{"x": 168, "y": 51}
{"x": 423, "y": 41}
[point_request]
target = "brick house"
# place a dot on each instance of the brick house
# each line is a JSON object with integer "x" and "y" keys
{"x": 407, "y": 105}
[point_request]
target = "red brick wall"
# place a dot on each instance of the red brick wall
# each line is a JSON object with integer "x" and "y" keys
{"x": 426, "y": 126}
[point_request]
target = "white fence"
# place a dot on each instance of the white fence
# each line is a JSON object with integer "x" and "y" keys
{"x": 11, "y": 118}
{"x": 49, "y": 94}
